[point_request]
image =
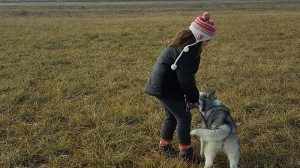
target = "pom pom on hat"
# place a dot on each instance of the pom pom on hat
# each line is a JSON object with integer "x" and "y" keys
{"x": 206, "y": 16}
{"x": 173, "y": 66}
{"x": 203, "y": 28}
{"x": 186, "y": 49}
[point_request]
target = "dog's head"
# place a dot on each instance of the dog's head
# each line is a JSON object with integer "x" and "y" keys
{"x": 208, "y": 100}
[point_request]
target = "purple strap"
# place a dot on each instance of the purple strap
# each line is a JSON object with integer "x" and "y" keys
{"x": 203, "y": 118}
{"x": 187, "y": 109}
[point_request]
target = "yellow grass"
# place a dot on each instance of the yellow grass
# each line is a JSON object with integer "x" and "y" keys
{"x": 72, "y": 78}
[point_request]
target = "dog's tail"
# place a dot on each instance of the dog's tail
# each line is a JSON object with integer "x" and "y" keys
{"x": 217, "y": 134}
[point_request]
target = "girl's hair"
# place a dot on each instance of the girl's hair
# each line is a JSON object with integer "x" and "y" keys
{"x": 182, "y": 39}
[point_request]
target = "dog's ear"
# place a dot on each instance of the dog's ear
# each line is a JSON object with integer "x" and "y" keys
{"x": 211, "y": 93}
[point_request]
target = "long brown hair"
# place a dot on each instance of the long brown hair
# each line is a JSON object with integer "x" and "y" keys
{"x": 182, "y": 39}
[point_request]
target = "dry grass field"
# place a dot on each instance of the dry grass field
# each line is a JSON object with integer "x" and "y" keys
{"x": 72, "y": 77}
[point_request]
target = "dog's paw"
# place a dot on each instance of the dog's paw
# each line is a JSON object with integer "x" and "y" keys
{"x": 193, "y": 132}
{"x": 202, "y": 159}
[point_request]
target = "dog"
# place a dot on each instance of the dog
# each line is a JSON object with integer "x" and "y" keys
{"x": 218, "y": 132}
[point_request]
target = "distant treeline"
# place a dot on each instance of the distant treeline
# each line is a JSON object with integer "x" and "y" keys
{"x": 78, "y": 0}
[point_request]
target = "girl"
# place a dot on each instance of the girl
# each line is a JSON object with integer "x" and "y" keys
{"x": 172, "y": 82}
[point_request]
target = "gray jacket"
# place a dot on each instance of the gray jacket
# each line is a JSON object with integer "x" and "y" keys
{"x": 175, "y": 84}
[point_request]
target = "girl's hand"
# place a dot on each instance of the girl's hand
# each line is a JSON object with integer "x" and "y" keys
{"x": 190, "y": 105}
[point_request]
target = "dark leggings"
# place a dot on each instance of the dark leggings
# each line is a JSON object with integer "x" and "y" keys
{"x": 176, "y": 116}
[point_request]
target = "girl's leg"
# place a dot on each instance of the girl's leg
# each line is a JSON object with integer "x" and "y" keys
{"x": 176, "y": 109}
{"x": 169, "y": 126}
{"x": 176, "y": 116}
{"x": 167, "y": 133}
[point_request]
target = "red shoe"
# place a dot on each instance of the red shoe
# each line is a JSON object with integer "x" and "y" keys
{"x": 167, "y": 149}
{"x": 187, "y": 155}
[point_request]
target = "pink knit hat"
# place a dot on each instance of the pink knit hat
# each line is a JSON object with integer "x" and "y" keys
{"x": 203, "y": 28}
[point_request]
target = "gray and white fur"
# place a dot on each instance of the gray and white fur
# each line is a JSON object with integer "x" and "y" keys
{"x": 218, "y": 131}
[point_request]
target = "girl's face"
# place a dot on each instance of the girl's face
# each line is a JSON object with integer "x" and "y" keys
{"x": 204, "y": 43}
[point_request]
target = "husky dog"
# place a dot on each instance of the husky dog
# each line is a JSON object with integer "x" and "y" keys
{"x": 218, "y": 131}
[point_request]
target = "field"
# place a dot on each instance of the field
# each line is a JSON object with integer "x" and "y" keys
{"x": 73, "y": 74}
